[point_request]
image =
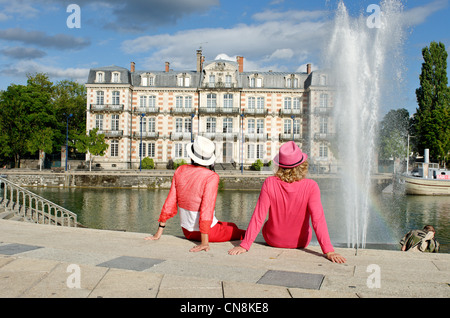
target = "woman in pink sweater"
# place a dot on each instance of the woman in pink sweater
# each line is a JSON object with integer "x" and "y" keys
{"x": 291, "y": 200}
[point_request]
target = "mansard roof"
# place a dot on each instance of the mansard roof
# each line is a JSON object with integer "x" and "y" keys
{"x": 271, "y": 80}
{"x": 165, "y": 79}
{"x": 125, "y": 77}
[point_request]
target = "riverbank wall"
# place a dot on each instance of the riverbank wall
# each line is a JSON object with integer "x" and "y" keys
{"x": 161, "y": 179}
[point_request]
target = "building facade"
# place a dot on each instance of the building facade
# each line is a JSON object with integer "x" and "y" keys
{"x": 248, "y": 115}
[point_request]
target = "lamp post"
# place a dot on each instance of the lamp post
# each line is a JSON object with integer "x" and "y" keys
{"x": 242, "y": 143}
{"x": 67, "y": 137}
{"x": 140, "y": 148}
{"x": 192, "y": 126}
{"x": 293, "y": 128}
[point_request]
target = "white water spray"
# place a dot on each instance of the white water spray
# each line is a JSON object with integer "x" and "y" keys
{"x": 359, "y": 57}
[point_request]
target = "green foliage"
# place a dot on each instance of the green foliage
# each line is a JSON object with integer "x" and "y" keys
{"x": 393, "y": 136}
{"x": 70, "y": 98}
{"x": 92, "y": 143}
{"x": 41, "y": 140}
{"x": 33, "y": 116}
{"x": 148, "y": 163}
{"x": 221, "y": 185}
{"x": 15, "y": 127}
{"x": 431, "y": 121}
{"x": 178, "y": 162}
{"x": 257, "y": 165}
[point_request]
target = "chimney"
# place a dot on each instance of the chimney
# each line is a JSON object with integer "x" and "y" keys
{"x": 199, "y": 61}
{"x": 132, "y": 67}
{"x": 308, "y": 68}
{"x": 167, "y": 67}
{"x": 240, "y": 61}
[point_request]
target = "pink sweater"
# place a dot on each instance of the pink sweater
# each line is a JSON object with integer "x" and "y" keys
{"x": 290, "y": 207}
{"x": 194, "y": 191}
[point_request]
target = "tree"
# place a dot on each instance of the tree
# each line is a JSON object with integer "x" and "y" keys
{"x": 43, "y": 123}
{"x": 91, "y": 143}
{"x": 33, "y": 117}
{"x": 25, "y": 111}
{"x": 15, "y": 128}
{"x": 70, "y": 98}
{"x": 393, "y": 135}
{"x": 432, "y": 119}
{"x": 41, "y": 141}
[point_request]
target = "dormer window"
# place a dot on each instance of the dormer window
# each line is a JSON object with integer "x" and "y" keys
{"x": 100, "y": 77}
{"x": 255, "y": 80}
{"x": 183, "y": 80}
{"x": 292, "y": 81}
{"x": 116, "y": 77}
{"x": 147, "y": 79}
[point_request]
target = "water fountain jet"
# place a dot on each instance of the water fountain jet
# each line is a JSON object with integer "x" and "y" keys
{"x": 360, "y": 57}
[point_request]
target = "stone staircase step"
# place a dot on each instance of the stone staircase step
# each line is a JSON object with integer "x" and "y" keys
{"x": 16, "y": 218}
{"x": 6, "y": 215}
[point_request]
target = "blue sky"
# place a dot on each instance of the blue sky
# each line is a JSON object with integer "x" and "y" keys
{"x": 278, "y": 35}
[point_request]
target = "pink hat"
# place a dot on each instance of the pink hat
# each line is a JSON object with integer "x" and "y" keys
{"x": 290, "y": 156}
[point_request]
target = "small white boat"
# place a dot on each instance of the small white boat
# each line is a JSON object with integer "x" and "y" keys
{"x": 429, "y": 179}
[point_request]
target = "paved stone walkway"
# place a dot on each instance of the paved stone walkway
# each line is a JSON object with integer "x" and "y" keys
{"x": 48, "y": 261}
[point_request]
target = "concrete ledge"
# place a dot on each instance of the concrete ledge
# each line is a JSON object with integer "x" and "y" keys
{"x": 171, "y": 271}
{"x": 161, "y": 179}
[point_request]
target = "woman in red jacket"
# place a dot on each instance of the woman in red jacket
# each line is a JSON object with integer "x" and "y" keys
{"x": 193, "y": 194}
{"x": 291, "y": 200}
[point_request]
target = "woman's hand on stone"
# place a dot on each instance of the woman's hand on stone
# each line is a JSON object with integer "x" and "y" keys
{"x": 199, "y": 248}
{"x": 156, "y": 236}
{"x": 237, "y": 250}
{"x": 335, "y": 257}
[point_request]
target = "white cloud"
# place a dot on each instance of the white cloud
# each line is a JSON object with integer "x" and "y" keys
{"x": 3, "y": 17}
{"x": 284, "y": 54}
{"x": 59, "y": 41}
{"x": 273, "y": 40}
{"x": 18, "y": 52}
{"x": 20, "y": 8}
{"x": 265, "y": 44}
{"x": 303, "y": 67}
{"x": 22, "y": 68}
{"x": 225, "y": 57}
{"x": 291, "y": 15}
{"x": 418, "y": 15}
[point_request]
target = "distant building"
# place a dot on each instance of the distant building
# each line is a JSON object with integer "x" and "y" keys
{"x": 248, "y": 115}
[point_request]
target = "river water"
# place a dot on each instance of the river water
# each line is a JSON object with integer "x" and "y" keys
{"x": 133, "y": 210}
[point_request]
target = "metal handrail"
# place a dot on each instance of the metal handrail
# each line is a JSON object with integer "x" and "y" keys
{"x": 34, "y": 212}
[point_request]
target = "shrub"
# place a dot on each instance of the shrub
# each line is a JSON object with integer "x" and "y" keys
{"x": 148, "y": 163}
{"x": 257, "y": 165}
{"x": 178, "y": 162}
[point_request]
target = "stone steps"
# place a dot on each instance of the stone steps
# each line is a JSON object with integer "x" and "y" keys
{"x": 9, "y": 215}
{"x": 6, "y": 215}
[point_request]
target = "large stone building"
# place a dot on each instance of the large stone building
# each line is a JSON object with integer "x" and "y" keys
{"x": 248, "y": 115}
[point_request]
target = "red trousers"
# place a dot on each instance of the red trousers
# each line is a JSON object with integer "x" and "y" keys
{"x": 221, "y": 232}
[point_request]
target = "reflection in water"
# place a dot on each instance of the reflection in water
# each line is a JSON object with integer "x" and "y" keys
{"x": 134, "y": 210}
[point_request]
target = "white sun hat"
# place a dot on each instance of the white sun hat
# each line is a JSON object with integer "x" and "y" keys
{"x": 202, "y": 151}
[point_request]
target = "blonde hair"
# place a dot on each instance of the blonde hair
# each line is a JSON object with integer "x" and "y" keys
{"x": 294, "y": 174}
